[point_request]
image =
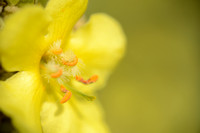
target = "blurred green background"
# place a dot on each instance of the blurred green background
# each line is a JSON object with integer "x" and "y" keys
{"x": 155, "y": 87}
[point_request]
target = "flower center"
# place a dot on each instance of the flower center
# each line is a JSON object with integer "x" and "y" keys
{"x": 58, "y": 68}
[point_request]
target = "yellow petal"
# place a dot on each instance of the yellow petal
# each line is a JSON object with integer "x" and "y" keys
{"x": 92, "y": 117}
{"x": 65, "y": 13}
{"x": 56, "y": 118}
{"x": 72, "y": 117}
{"x": 21, "y": 40}
{"x": 100, "y": 44}
{"x": 20, "y": 99}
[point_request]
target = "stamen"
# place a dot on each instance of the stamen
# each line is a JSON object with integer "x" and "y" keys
{"x": 66, "y": 97}
{"x": 57, "y": 51}
{"x": 80, "y": 79}
{"x": 57, "y": 74}
{"x": 92, "y": 79}
{"x": 73, "y": 63}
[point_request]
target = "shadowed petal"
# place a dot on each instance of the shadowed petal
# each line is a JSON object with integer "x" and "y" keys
{"x": 21, "y": 98}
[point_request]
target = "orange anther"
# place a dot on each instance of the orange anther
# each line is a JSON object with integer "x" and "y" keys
{"x": 62, "y": 88}
{"x": 73, "y": 63}
{"x": 57, "y": 74}
{"x": 66, "y": 97}
{"x": 57, "y": 51}
{"x": 78, "y": 78}
{"x": 92, "y": 79}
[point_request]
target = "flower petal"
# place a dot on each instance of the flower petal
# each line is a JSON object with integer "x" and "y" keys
{"x": 74, "y": 117}
{"x": 20, "y": 99}
{"x": 92, "y": 117}
{"x": 65, "y": 14}
{"x": 100, "y": 44}
{"x": 21, "y": 40}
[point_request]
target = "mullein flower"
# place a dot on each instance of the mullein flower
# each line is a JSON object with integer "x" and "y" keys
{"x": 57, "y": 67}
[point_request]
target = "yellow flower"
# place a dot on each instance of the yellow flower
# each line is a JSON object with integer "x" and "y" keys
{"x": 55, "y": 62}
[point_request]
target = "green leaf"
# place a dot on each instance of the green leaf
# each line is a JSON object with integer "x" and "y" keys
{"x": 43, "y": 2}
{"x": 12, "y": 2}
{"x": 24, "y": 2}
{"x": 1, "y": 23}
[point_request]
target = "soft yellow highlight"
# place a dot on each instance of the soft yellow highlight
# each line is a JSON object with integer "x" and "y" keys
{"x": 22, "y": 39}
{"x": 65, "y": 13}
